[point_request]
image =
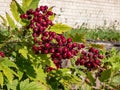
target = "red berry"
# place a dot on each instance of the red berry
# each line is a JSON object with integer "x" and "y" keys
{"x": 97, "y": 62}
{"x": 94, "y": 56}
{"x": 35, "y": 40}
{"x": 50, "y": 69}
{"x": 47, "y": 45}
{"x": 85, "y": 57}
{"x": 82, "y": 62}
{"x": 30, "y": 11}
{"x": 65, "y": 55}
{"x": 83, "y": 52}
{"x": 43, "y": 38}
{"x": 2, "y": 54}
{"x": 49, "y": 13}
{"x": 90, "y": 55}
{"x": 46, "y": 33}
{"x": 96, "y": 51}
{"x": 82, "y": 46}
{"x": 60, "y": 43}
{"x": 92, "y": 50}
{"x": 69, "y": 40}
{"x": 78, "y": 59}
{"x": 52, "y": 50}
{"x": 25, "y": 16}
{"x": 74, "y": 45}
{"x": 88, "y": 65}
{"x": 35, "y": 49}
{"x": 60, "y": 50}
{"x": 69, "y": 54}
{"x": 65, "y": 49}
{"x": 37, "y": 9}
{"x": 69, "y": 45}
{"x": 57, "y": 54}
{"x": 45, "y": 51}
{"x": 46, "y": 7}
{"x": 100, "y": 56}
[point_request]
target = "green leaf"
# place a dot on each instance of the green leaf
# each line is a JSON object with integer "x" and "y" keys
{"x": 41, "y": 75}
{"x": 34, "y": 4}
{"x": 10, "y": 21}
{"x": 52, "y": 64}
{"x": 1, "y": 59}
{"x": 116, "y": 79}
{"x": 4, "y": 21}
{"x": 13, "y": 86}
{"x": 45, "y": 60}
{"x": 26, "y": 66}
{"x": 68, "y": 80}
{"x": 78, "y": 37}
{"x": 27, "y": 4}
{"x": 7, "y": 72}
{"x": 26, "y": 85}
{"x": 19, "y": 8}
{"x": 105, "y": 75}
{"x": 14, "y": 10}
{"x": 20, "y": 74}
{"x": 85, "y": 86}
{"x": 91, "y": 78}
{"x": 53, "y": 16}
{"x": 9, "y": 63}
{"x": 1, "y": 68}
{"x": 1, "y": 79}
{"x": 23, "y": 84}
{"x": 99, "y": 46}
{"x": 43, "y": 87}
{"x": 60, "y": 28}
{"x": 23, "y": 51}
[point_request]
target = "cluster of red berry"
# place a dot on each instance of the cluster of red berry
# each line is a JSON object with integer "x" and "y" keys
{"x": 39, "y": 19}
{"x": 90, "y": 58}
{"x": 57, "y": 46}
{"x": 2, "y": 54}
{"x": 47, "y": 42}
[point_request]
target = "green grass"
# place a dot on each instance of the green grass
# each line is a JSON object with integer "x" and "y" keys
{"x": 101, "y": 34}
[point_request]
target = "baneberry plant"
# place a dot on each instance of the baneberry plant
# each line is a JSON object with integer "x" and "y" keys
{"x": 32, "y": 57}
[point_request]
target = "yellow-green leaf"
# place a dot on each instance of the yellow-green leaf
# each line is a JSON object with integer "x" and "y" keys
{"x": 1, "y": 79}
{"x": 4, "y": 21}
{"x": 10, "y": 21}
{"x": 20, "y": 74}
{"x": 100, "y": 46}
{"x": 19, "y": 7}
{"x": 27, "y": 4}
{"x": 41, "y": 76}
{"x": 27, "y": 85}
{"x": 7, "y": 72}
{"x": 34, "y": 4}
{"x": 60, "y": 28}
{"x": 105, "y": 75}
{"x": 14, "y": 10}
{"x": 9, "y": 63}
{"x": 52, "y": 64}
{"x": 53, "y": 16}
{"x": 78, "y": 37}
{"x": 23, "y": 51}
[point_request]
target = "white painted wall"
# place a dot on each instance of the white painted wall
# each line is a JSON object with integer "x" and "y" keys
{"x": 77, "y": 12}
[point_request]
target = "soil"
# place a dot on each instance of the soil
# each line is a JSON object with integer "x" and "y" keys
{"x": 108, "y": 45}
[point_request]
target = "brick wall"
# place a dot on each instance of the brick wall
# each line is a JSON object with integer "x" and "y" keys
{"x": 76, "y": 12}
